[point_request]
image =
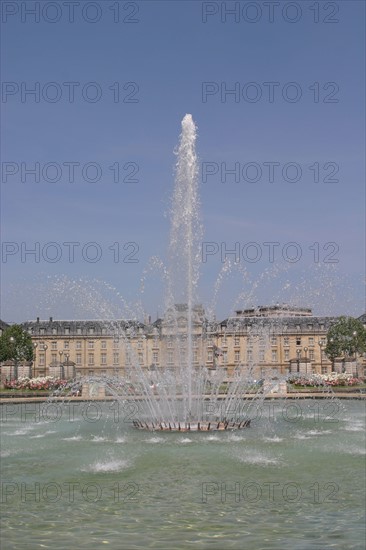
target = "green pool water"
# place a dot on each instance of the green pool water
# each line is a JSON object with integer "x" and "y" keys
{"x": 80, "y": 476}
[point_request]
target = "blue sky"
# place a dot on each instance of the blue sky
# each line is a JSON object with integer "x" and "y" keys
{"x": 168, "y": 53}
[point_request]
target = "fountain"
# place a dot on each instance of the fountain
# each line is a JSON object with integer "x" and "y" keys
{"x": 188, "y": 397}
{"x": 181, "y": 395}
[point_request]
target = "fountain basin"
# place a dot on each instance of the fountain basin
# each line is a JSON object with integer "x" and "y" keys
{"x": 191, "y": 426}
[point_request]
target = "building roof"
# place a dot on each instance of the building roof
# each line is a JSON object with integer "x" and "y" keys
{"x": 278, "y": 310}
{"x": 3, "y": 325}
{"x": 362, "y": 318}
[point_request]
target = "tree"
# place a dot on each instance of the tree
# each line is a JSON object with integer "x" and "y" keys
{"x": 345, "y": 338}
{"x": 16, "y": 345}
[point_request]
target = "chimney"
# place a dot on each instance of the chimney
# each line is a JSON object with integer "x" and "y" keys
{"x": 51, "y": 319}
{"x": 37, "y": 319}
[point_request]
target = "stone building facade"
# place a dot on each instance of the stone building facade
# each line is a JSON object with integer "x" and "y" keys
{"x": 275, "y": 338}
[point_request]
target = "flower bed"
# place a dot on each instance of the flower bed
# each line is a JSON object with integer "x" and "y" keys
{"x": 41, "y": 383}
{"x": 333, "y": 379}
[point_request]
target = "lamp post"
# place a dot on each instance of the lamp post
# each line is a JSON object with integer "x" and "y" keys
{"x": 354, "y": 335}
{"x": 66, "y": 374}
{"x": 298, "y": 353}
{"x": 306, "y": 360}
{"x": 35, "y": 345}
{"x": 45, "y": 348}
{"x": 61, "y": 368}
{"x": 12, "y": 340}
{"x": 321, "y": 345}
{"x": 331, "y": 341}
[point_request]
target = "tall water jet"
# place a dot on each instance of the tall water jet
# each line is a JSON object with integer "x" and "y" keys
{"x": 184, "y": 246}
{"x": 180, "y": 390}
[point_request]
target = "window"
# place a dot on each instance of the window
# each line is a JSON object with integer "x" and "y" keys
{"x": 170, "y": 357}
{"x": 287, "y": 355}
{"x": 41, "y": 359}
{"x": 249, "y": 355}
{"x": 141, "y": 358}
{"x": 261, "y": 355}
{"x": 103, "y": 344}
{"x": 103, "y": 359}
{"x": 67, "y": 330}
{"x": 127, "y": 356}
{"x": 224, "y": 356}
{"x": 170, "y": 343}
{"x": 78, "y": 358}
{"x": 54, "y": 345}
{"x": 90, "y": 344}
{"x": 66, "y": 344}
{"x": 237, "y": 356}
{"x": 115, "y": 343}
{"x": 311, "y": 341}
{"x": 91, "y": 330}
{"x": 310, "y": 327}
{"x": 311, "y": 354}
{"x": 236, "y": 340}
{"x": 54, "y": 357}
{"x": 78, "y": 330}
{"x": 286, "y": 341}
{"x": 209, "y": 356}
{"x": 91, "y": 359}
{"x": 273, "y": 340}
{"x": 41, "y": 331}
{"x": 54, "y": 331}
{"x": 78, "y": 344}
{"x": 195, "y": 356}
{"x": 298, "y": 341}
{"x": 104, "y": 330}
{"x": 274, "y": 356}
{"x": 116, "y": 358}
{"x": 91, "y": 372}
{"x": 155, "y": 357}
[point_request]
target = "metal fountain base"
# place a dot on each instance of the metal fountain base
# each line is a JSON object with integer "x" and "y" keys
{"x": 191, "y": 426}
